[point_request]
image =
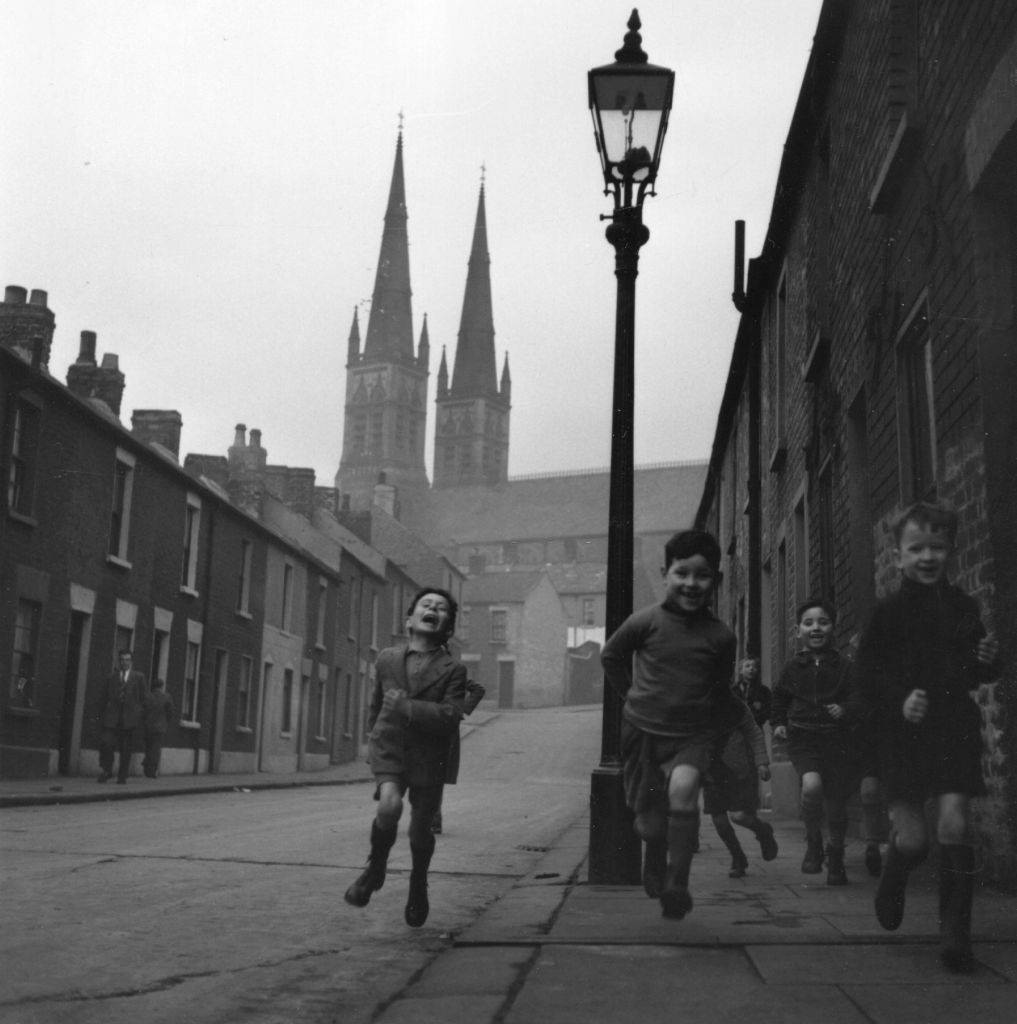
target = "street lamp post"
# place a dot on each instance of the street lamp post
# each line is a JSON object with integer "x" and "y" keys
{"x": 630, "y": 101}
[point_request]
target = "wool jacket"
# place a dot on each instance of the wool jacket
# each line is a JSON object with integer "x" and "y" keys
{"x": 807, "y": 684}
{"x": 419, "y": 743}
{"x": 123, "y": 703}
{"x": 672, "y": 668}
{"x": 925, "y": 638}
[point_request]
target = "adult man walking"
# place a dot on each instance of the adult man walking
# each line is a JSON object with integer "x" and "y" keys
{"x": 120, "y": 716}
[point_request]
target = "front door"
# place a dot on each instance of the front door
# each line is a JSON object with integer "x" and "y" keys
{"x": 506, "y": 683}
{"x": 70, "y": 722}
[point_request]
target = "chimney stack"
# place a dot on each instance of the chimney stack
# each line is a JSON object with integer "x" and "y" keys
{"x": 27, "y": 324}
{"x": 158, "y": 426}
{"x": 104, "y": 383}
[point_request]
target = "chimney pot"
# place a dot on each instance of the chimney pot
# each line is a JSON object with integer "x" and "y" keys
{"x": 86, "y": 352}
{"x": 255, "y": 439}
{"x": 238, "y": 438}
{"x": 111, "y": 361}
{"x": 39, "y": 297}
{"x": 15, "y": 294}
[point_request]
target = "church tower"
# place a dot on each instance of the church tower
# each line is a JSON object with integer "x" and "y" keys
{"x": 386, "y": 383}
{"x": 471, "y": 435}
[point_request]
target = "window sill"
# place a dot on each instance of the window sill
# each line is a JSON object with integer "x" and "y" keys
{"x": 320, "y": 648}
{"x": 241, "y": 614}
{"x": 321, "y": 739}
{"x": 246, "y": 729}
{"x": 120, "y": 563}
{"x": 20, "y": 517}
{"x": 16, "y": 712}
{"x": 188, "y": 591}
{"x": 189, "y": 725}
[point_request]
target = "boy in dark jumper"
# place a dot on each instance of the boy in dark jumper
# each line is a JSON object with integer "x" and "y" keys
{"x": 673, "y": 662}
{"x": 921, "y": 654}
{"x": 812, "y": 704}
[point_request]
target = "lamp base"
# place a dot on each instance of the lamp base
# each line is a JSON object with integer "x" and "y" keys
{"x": 615, "y": 849}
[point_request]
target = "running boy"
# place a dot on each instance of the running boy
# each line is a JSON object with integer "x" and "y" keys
{"x": 415, "y": 711}
{"x": 731, "y": 787}
{"x": 812, "y": 703}
{"x": 921, "y": 654}
{"x": 673, "y": 662}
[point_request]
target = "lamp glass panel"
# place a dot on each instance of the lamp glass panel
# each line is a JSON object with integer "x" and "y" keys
{"x": 631, "y": 108}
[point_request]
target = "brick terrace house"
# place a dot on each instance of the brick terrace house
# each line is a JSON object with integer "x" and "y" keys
{"x": 229, "y": 579}
{"x": 874, "y": 362}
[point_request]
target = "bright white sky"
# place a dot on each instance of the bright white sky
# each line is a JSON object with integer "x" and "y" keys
{"x": 203, "y": 184}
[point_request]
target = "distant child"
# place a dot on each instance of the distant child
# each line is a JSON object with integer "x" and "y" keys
{"x": 921, "y": 654}
{"x": 416, "y": 707}
{"x": 156, "y": 717}
{"x": 813, "y": 702}
{"x": 731, "y": 788}
{"x": 673, "y": 662}
{"x": 749, "y": 687}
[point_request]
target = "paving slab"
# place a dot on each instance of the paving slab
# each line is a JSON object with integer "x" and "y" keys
{"x": 935, "y": 997}
{"x": 623, "y": 984}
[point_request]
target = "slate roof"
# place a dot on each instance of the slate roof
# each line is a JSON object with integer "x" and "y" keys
{"x": 666, "y": 497}
{"x": 500, "y": 587}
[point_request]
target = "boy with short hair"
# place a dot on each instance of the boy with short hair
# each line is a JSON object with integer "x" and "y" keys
{"x": 673, "y": 662}
{"x": 416, "y": 707}
{"x": 921, "y": 654}
{"x": 812, "y": 703}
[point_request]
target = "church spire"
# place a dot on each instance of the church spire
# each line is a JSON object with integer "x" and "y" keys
{"x": 474, "y": 373}
{"x": 390, "y": 327}
{"x": 353, "y": 344}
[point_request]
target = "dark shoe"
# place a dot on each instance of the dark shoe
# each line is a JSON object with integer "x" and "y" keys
{"x": 104, "y": 777}
{"x": 835, "y": 873}
{"x": 812, "y": 862}
{"x": 675, "y": 903}
{"x": 873, "y": 860}
{"x": 767, "y": 842}
{"x": 738, "y": 866}
{"x": 654, "y": 867}
{"x": 372, "y": 878}
{"x": 890, "y": 891}
{"x": 417, "y": 904}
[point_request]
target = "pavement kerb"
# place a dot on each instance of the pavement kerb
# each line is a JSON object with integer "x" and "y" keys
{"x": 85, "y": 789}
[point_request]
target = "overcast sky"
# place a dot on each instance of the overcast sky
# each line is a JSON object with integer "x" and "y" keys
{"x": 204, "y": 183}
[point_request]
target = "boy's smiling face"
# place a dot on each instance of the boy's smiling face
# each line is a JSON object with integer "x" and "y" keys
{"x": 688, "y": 583}
{"x": 922, "y": 553}
{"x": 430, "y": 617}
{"x": 815, "y": 628}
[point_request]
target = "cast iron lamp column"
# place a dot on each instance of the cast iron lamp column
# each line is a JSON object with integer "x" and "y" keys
{"x": 630, "y": 101}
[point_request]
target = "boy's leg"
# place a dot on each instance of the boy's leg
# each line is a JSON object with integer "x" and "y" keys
{"x": 907, "y": 848}
{"x": 956, "y": 882}
{"x": 812, "y": 817}
{"x": 651, "y": 827}
{"x": 871, "y": 796}
{"x": 383, "y": 835}
{"x": 424, "y": 802}
{"x": 107, "y": 745}
{"x": 682, "y": 836}
{"x": 762, "y": 830}
{"x": 739, "y": 862}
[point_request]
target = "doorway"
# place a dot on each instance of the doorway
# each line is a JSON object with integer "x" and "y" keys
{"x": 72, "y": 708}
{"x": 506, "y": 684}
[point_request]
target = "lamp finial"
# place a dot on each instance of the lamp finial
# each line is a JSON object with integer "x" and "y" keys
{"x": 632, "y": 50}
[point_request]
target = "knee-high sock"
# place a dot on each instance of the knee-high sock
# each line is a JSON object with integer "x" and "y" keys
{"x": 682, "y": 836}
{"x": 727, "y": 834}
